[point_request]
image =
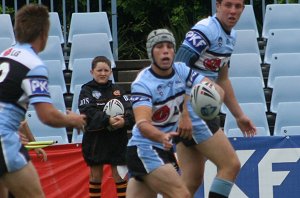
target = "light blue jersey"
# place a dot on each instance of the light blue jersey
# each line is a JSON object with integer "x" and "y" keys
{"x": 213, "y": 45}
{"x": 23, "y": 80}
{"x": 165, "y": 95}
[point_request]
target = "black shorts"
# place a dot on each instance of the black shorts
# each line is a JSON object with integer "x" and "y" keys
{"x": 143, "y": 159}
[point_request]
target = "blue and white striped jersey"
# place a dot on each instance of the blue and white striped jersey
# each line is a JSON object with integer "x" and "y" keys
{"x": 212, "y": 43}
{"x": 165, "y": 95}
{"x": 23, "y": 80}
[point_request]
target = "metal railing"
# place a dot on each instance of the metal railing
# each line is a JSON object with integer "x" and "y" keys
{"x": 63, "y": 10}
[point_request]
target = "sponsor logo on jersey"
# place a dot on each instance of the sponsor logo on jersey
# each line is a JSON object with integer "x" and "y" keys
{"x": 220, "y": 41}
{"x": 96, "y": 94}
{"x": 7, "y": 52}
{"x": 212, "y": 64}
{"x": 161, "y": 114}
{"x": 196, "y": 40}
{"x": 192, "y": 78}
{"x": 39, "y": 86}
{"x": 139, "y": 98}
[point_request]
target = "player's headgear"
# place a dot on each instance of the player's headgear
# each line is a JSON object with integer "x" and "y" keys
{"x": 158, "y": 36}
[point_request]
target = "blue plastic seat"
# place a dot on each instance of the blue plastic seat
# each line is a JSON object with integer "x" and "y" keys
{"x": 6, "y": 27}
{"x": 90, "y": 46}
{"x": 256, "y": 112}
{"x": 286, "y": 89}
{"x": 247, "y": 90}
{"x": 5, "y": 43}
{"x": 56, "y": 75}
{"x": 281, "y": 16}
{"x": 247, "y": 20}
{"x": 81, "y": 72}
{"x": 282, "y": 41}
{"x": 246, "y": 42}
{"x": 53, "y": 51}
{"x": 76, "y": 137}
{"x": 76, "y": 93}
{"x": 283, "y": 64}
{"x": 249, "y": 68}
{"x": 287, "y": 119}
{"x": 44, "y": 132}
{"x": 89, "y": 22}
{"x": 55, "y": 26}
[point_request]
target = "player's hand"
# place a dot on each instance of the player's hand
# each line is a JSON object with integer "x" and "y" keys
{"x": 185, "y": 127}
{"x": 118, "y": 122}
{"x": 167, "y": 140}
{"x": 41, "y": 154}
{"x": 77, "y": 121}
{"x": 246, "y": 126}
{"x": 23, "y": 138}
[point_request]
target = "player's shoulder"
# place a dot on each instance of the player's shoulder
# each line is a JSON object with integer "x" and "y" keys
{"x": 208, "y": 26}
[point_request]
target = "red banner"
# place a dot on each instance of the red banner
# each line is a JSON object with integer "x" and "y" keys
{"x": 65, "y": 174}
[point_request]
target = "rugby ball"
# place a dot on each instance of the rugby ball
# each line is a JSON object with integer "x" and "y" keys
{"x": 114, "y": 107}
{"x": 205, "y": 100}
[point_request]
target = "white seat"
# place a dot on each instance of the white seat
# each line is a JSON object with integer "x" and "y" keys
{"x": 250, "y": 68}
{"x": 247, "y": 20}
{"x": 281, "y": 16}
{"x": 81, "y": 72}
{"x": 44, "y": 132}
{"x": 55, "y": 26}
{"x": 247, "y": 90}
{"x": 246, "y": 42}
{"x": 5, "y": 43}
{"x": 282, "y": 41}
{"x": 286, "y": 89}
{"x": 89, "y": 22}
{"x": 53, "y": 51}
{"x": 76, "y": 137}
{"x": 256, "y": 112}
{"x": 283, "y": 64}
{"x": 287, "y": 120}
{"x": 57, "y": 97}
{"x": 77, "y": 90}
{"x": 90, "y": 46}
{"x": 6, "y": 27}
{"x": 56, "y": 75}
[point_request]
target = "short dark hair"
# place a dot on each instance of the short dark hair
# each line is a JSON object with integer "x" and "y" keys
{"x": 31, "y": 21}
{"x": 220, "y": 1}
{"x": 98, "y": 59}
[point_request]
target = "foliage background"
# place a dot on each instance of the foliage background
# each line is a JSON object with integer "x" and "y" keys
{"x": 136, "y": 18}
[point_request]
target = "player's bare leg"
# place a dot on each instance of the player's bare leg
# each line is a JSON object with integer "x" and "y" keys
{"x": 24, "y": 183}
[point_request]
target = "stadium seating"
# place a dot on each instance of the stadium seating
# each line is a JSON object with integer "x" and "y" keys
{"x": 247, "y": 20}
{"x": 246, "y": 42}
{"x": 281, "y": 16}
{"x": 56, "y": 75}
{"x": 56, "y": 94}
{"x": 246, "y": 65}
{"x": 89, "y": 46}
{"x": 5, "y": 43}
{"x": 43, "y": 132}
{"x": 247, "y": 90}
{"x": 286, "y": 89}
{"x": 283, "y": 64}
{"x": 77, "y": 90}
{"x": 76, "y": 137}
{"x": 287, "y": 120}
{"x": 55, "y": 26}
{"x": 6, "y": 28}
{"x": 91, "y": 22}
{"x": 81, "y": 72}
{"x": 53, "y": 51}
{"x": 256, "y": 112}
{"x": 282, "y": 41}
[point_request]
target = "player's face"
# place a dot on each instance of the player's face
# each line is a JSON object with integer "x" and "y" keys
{"x": 229, "y": 12}
{"x": 163, "y": 54}
{"x": 101, "y": 72}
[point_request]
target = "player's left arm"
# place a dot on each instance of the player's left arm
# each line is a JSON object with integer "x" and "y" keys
{"x": 244, "y": 123}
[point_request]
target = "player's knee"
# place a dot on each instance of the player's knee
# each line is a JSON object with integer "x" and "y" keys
{"x": 233, "y": 168}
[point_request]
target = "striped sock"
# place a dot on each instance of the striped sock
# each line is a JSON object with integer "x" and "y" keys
{"x": 121, "y": 189}
{"x": 95, "y": 189}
